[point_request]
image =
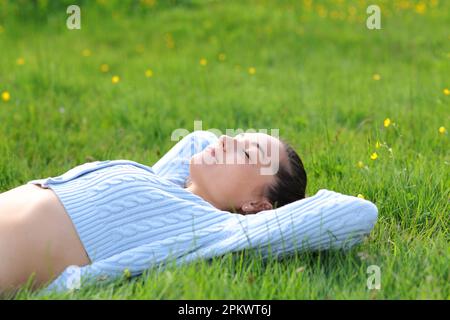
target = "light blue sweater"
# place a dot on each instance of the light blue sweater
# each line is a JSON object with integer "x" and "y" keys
{"x": 131, "y": 217}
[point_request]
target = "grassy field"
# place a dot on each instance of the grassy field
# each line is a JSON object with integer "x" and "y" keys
{"x": 367, "y": 110}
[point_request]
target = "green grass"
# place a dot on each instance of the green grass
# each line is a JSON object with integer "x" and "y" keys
{"x": 313, "y": 82}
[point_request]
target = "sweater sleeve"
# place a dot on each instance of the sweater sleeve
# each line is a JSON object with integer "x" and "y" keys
{"x": 327, "y": 220}
{"x": 174, "y": 165}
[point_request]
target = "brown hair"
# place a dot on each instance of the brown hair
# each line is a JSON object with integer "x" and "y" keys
{"x": 290, "y": 180}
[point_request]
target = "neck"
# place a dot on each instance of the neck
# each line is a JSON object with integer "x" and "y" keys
{"x": 204, "y": 195}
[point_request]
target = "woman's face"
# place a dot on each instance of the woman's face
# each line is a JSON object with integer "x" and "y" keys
{"x": 234, "y": 172}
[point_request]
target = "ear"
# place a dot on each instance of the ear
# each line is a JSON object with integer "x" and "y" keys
{"x": 255, "y": 206}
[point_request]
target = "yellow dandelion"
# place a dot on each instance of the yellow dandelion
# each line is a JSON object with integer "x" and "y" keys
{"x": 203, "y": 62}
{"x": 222, "y": 56}
{"x": 115, "y": 79}
{"x": 360, "y": 196}
{"x": 6, "y": 96}
{"x": 352, "y": 11}
{"x": 387, "y": 122}
{"x": 104, "y": 67}
{"x": 20, "y": 61}
{"x": 322, "y": 11}
{"x": 446, "y": 91}
{"x": 2, "y": 29}
{"x": 421, "y": 8}
{"x": 404, "y": 4}
{"x": 377, "y": 144}
{"x": 148, "y": 3}
{"x": 86, "y": 53}
{"x": 374, "y": 156}
{"x": 442, "y": 130}
{"x": 360, "y": 164}
{"x": 148, "y": 73}
{"x": 252, "y": 70}
{"x": 376, "y": 77}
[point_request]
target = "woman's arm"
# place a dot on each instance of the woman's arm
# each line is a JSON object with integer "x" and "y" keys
{"x": 174, "y": 165}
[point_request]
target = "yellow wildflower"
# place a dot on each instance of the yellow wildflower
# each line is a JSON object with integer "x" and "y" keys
{"x": 352, "y": 11}
{"x": 446, "y": 91}
{"x": 421, "y": 8}
{"x": 387, "y": 122}
{"x": 360, "y": 196}
{"x": 203, "y": 62}
{"x": 148, "y": 3}
{"x": 442, "y": 130}
{"x": 148, "y": 73}
{"x": 86, "y": 52}
{"x": 115, "y": 79}
{"x": 374, "y": 156}
{"x": 104, "y": 67}
{"x": 6, "y": 96}
{"x": 252, "y": 70}
{"x": 321, "y": 11}
{"x": 360, "y": 164}
{"x": 376, "y": 77}
{"x": 20, "y": 61}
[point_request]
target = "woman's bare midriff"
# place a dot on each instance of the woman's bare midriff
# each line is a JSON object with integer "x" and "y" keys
{"x": 36, "y": 236}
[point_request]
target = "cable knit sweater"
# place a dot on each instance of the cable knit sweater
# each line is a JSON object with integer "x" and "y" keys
{"x": 131, "y": 217}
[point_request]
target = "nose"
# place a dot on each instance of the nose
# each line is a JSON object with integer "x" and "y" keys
{"x": 227, "y": 142}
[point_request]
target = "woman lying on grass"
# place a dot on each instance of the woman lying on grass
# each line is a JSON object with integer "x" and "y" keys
{"x": 104, "y": 209}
